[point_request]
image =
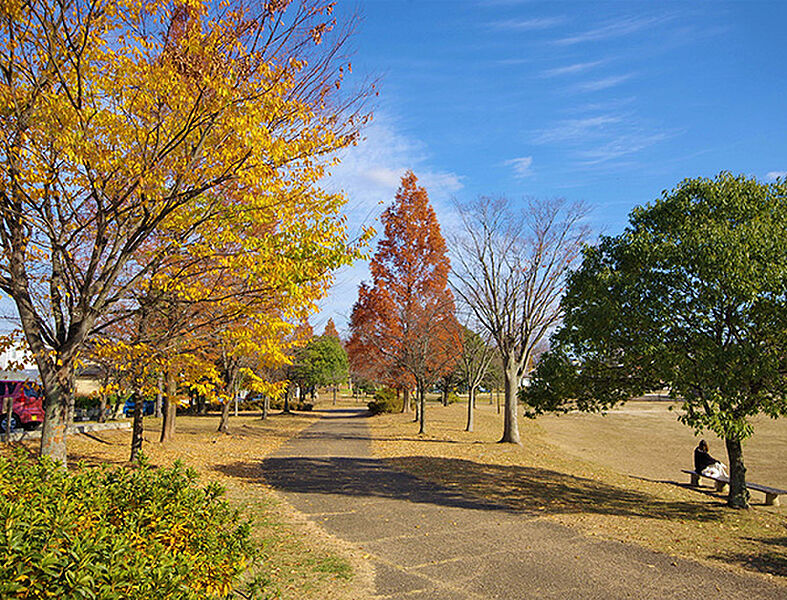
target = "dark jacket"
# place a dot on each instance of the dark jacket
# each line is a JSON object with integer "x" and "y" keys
{"x": 702, "y": 460}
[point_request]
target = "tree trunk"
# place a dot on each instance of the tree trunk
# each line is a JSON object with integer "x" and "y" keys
{"x": 491, "y": 399}
{"x": 71, "y": 400}
{"x": 266, "y": 404}
{"x": 170, "y": 408}
{"x": 497, "y": 395}
{"x": 510, "y": 422}
{"x": 286, "y": 401}
{"x": 137, "y": 428}
{"x": 422, "y": 404}
{"x": 470, "y": 407}
{"x": 232, "y": 398}
{"x": 159, "y": 394}
{"x": 53, "y": 434}
{"x": 334, "y": 395}
{"x": 102, "y": 407}
{"x": 405, "y": 399}
{"x": 444, "y": 396}
{"x": 417, "y": 405}
{"x": 739, "y": 494}
{"x": 224, "y": 422}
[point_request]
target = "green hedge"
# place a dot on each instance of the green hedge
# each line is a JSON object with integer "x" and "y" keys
{"x": 385, "y": 401}
{"x": 115, "y": 533}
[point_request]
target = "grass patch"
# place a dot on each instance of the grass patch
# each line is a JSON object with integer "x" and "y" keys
{"x": 332, "y": 565}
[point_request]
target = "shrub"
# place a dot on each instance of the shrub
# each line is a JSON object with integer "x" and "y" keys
{"x": 85, "y": 402}
{"x": 365, "y": 387}
{"x": 115, "y": 533}
{"x": 385, "y": 401}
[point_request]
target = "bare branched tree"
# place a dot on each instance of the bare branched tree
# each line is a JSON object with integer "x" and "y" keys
{"x": 476, "y": 356}
{"x": 509, "y": 270}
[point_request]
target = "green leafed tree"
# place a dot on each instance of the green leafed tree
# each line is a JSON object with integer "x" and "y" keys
{"x": 323, "y": 361}
{"x": 692, "y": 296}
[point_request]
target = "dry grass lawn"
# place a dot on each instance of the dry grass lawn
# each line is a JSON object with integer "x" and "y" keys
{"x": 297, "y": 559}
{"x": 618, "y": 478}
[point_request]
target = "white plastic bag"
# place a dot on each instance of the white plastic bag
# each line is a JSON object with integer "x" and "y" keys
{"x": 717, "y": 469}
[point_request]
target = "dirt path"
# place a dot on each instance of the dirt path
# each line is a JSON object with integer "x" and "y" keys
{"x": 430, "y": 542}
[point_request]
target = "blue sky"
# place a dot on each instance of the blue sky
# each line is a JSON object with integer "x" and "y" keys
{"x": 609, "y": 103}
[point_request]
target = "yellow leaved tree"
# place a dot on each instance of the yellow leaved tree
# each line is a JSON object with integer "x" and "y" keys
{"x": 140, "y": 137}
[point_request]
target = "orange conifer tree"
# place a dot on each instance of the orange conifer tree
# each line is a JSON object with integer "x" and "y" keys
{"x": 403, "y": 324}
{"x": 330, "y": 329}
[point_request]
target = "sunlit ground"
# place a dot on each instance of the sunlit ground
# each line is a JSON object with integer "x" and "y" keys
{"x": 615, "y": 477}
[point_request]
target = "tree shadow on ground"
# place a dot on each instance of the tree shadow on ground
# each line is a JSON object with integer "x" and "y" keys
{"x": 774, "y": 562}
{"x": 341, "y": 413}
{"x": 363, "y": 477}
{"x": 465, "y": 484}
{"x": 324, "y": 435}
{"x": 535, "y": 490}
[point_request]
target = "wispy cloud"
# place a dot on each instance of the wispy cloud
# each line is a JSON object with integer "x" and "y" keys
{"x": 571, "y": 69}
{"x": 620, "y": 146}
{"x": 614, "y": 29}
{"x": 575, "y": 129}
{"x": 605, "y": 83}
{"x": 602, "y": 138}
{"x": 369, "y": 175}
{"x": 523, "y": 166}
{"x": 774, "y": 175}
{"x": 514, "y": 61}
{"x": 604, "y": 106}
{"x": 499, "y": 3}
{"x": 528, "y": 24}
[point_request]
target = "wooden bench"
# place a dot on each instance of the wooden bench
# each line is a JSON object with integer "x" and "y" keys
{"x": 771, "y": 494}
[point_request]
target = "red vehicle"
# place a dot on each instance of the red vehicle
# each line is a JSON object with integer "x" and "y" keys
{"x": 27, "y": 410}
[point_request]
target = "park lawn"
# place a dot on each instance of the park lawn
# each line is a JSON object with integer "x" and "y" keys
{"x": 297, "y": 559}
{"x": 540, "y": 479}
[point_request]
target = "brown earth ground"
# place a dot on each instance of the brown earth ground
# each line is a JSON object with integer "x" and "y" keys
{"x": 615, "y": 476}
{"x": 297, "y": 560}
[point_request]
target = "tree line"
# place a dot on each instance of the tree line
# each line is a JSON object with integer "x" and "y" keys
{"x": 160, "y": 170}
{"x": 163, "y": 217}
{"x": 691, "y": 297}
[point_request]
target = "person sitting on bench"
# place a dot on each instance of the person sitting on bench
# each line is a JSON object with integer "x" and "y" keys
{"x": 705, "y": 464}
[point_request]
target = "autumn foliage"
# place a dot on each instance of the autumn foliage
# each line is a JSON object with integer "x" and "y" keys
{"x": 167, "y": 149}
{"x": 403, "y": 328}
